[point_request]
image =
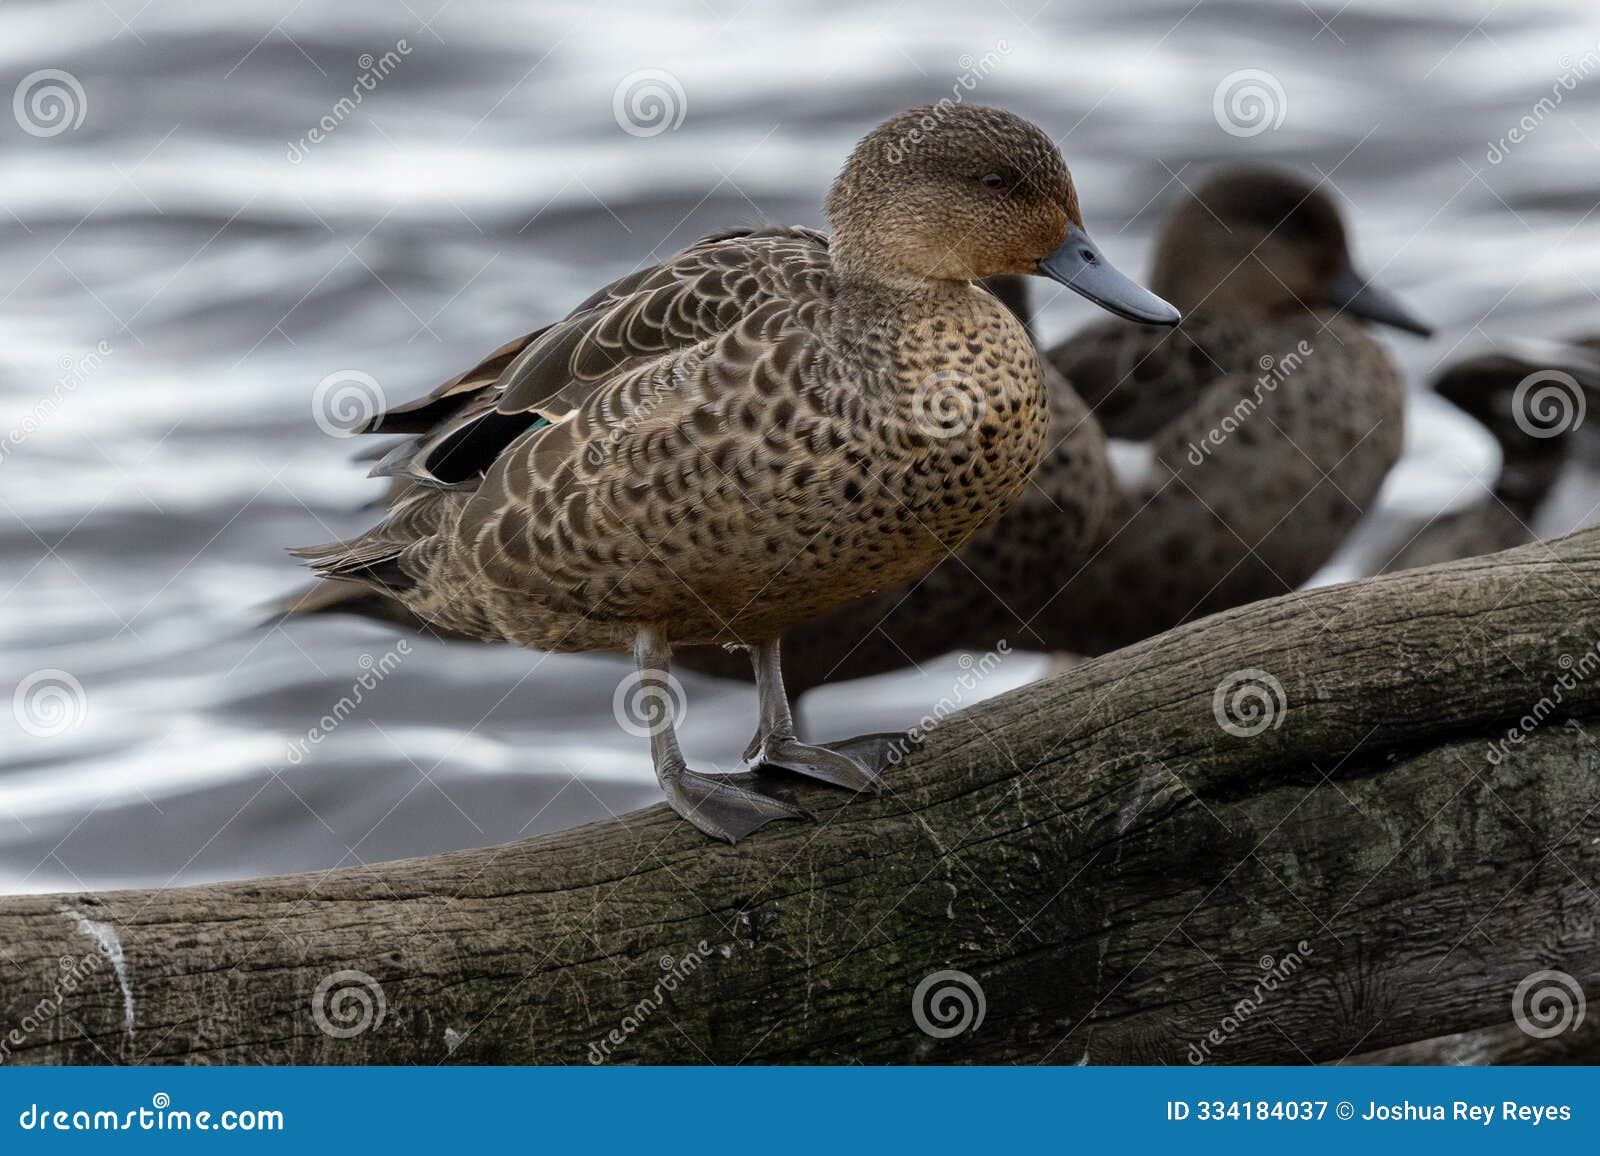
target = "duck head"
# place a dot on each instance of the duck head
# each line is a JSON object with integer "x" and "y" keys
{"x": 956, "y": 192}
{"x": 1531, "y": 395}
{"x": 1264, "y": 244}
{"x": 1528, "y": 393}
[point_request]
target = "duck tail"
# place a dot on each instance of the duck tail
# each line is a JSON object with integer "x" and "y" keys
{"x": 338, "y": 596}
{"x": 358, "y": 577}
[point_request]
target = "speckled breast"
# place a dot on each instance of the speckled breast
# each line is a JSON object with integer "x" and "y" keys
{"x": 972, "y": 415}
{"x": 930, "y": 453}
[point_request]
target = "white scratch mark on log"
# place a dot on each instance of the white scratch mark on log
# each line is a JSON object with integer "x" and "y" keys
{"x": 106, "y": 937}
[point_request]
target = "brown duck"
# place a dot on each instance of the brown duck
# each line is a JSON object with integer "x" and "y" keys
{"x": 755, "y": 432}
{"x": 1266, "y": 424}
{"x": 1245, "y": 460}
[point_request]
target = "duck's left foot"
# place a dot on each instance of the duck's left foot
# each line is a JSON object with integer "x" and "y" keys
{"x": 854, "y": 763}
{"x": 820, "y": 763}
{"x": 877, "y": 752}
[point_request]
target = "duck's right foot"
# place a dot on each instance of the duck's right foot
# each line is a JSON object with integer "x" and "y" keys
{"x": 723, "y": 809}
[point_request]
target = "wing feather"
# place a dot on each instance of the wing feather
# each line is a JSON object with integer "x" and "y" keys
{"x": 520, "y": 434}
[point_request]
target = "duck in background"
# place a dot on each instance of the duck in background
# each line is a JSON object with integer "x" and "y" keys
{"x": 1249, "y": 440}
{"x": 1532, "y": 396}
{"x": 1253, "y": 438}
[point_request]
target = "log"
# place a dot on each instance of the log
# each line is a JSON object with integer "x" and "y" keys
{"x": 1503, "y": 1044}
{"x": 1125, "y": 864}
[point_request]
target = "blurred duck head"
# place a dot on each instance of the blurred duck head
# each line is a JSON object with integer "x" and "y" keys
{"x": 1528, "y": 393}
{"x": 1266, "y": 244}
{"x": 956, "y": 192}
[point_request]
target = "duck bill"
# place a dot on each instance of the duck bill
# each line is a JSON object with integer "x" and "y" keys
{"x": 1352, "y": 293}
{"x": 1079, "y": 265}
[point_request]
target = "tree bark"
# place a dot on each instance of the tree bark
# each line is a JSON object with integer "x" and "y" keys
{"x": 1113, "y": 868}
{"x": 1504, "y": 1044}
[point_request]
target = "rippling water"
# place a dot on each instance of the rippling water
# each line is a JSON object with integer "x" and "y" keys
{"x": 186, "y": 264}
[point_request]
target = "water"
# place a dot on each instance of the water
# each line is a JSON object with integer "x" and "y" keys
{"x": 193, "y": 284}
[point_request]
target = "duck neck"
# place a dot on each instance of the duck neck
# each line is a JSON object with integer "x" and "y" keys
{"x": 1012, "y": 292}
{"x": 1528, "y": 473}
{"x": 888, "y": 298}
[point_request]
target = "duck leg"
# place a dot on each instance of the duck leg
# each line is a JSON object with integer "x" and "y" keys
{"x": 775, "y": 745}
{"x": 714, "y": 805}
{"x": 877, "y": 751}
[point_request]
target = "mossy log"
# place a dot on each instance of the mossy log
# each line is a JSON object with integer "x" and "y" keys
{"x": 1378, "y": 855}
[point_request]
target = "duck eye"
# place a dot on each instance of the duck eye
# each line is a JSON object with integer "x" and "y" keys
{"x": 994, "y": 182}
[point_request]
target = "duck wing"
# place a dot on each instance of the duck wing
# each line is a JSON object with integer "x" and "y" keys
{"x": 1136, "y": 378}
{"x": 460, "y": 428}
{"x": 508, "y": 446}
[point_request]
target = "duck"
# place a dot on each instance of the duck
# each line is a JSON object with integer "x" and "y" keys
{"x": 1234, "y": 452}
{"x": 1532, "y": 397}
{"x": 717, "y": 448}
{"x": 1256, "y": 437}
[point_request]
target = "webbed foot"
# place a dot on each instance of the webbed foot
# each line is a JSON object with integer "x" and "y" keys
{"x": 821, "y": 763}
{"x": 724, "y": 809}
{"x": 876, "y": 752}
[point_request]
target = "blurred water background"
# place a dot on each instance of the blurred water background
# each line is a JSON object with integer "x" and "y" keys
{"x": 184, "y": 264}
